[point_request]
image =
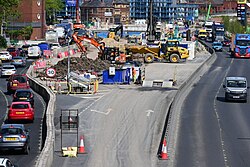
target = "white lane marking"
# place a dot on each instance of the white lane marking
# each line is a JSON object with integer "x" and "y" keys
{"x": 6, "y": 111}
{"x": 149, "y": 112}
{"x": 105, "y": 113}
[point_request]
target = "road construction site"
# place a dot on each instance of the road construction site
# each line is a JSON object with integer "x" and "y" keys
{"x": 121, "y": 124}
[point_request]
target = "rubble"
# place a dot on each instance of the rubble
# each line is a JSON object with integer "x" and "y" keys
{"x": 79, "y": 65}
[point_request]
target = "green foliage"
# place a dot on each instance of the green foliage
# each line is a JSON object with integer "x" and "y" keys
{"x": 24, "y": 33}
{"x": 53, "y": 6}
{"x": 8, "y": 9}
{"x": 233, "y": 26}
{"x": 3, "y": 42}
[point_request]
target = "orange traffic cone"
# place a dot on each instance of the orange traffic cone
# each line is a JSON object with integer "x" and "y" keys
{"x": 81, "y": 149}
{"x": 164, "y": 154}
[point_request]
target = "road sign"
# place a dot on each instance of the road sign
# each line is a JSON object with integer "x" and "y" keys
{"x": 51, "y": 72}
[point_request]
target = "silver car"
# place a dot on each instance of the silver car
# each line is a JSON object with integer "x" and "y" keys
{"x": 18, "y": 61}
{"x": 14, "y": 137}
{"x": 8, "y": 70}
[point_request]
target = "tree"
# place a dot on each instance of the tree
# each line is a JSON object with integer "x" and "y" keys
{"x": 53, "y": 6}
{"x": 3, "y": 42}
{"x": 9, "y": 8}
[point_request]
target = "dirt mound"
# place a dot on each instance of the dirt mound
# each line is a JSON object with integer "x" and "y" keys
{"x": 79, "y": 65}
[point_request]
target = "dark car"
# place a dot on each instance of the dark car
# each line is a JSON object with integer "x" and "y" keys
{"x": 14, "y": 137}
{"x": 226, "y": 42}
{"x": 17, "y": 81}
{"x": 24, "y": 95}
{"x": 18, "y": 61}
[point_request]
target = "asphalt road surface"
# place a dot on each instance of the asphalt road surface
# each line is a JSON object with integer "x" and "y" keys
{"x": 122, "y": 124}
{"x": 18, "y": 157}
{"x": 213, "y": 132}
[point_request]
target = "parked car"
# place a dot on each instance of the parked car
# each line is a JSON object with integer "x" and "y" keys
{"x": 18, "y": 61}
{"x": 217, "y": 46}
{"x": 24, "y": 95}
{"x": 14, "y": 137}
{"x": 21, "y": 110}
{"x": 34, "y": 52}
{"x": 12, "y": 50}
{"x": 6, "y": 162}
{"x": 17, "y": 81}
{"x": 5, "y": 56}
{"x": 7, "y": 70}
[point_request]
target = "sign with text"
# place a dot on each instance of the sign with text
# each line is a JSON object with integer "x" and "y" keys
{"x": 51, "y": 72}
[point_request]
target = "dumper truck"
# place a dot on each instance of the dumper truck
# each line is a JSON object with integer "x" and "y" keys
{"x": 164, "y": 50}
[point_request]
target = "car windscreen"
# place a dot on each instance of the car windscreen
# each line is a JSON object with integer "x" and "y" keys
{"x": 217, "y": 44}
{"x": 8, "y": 68}
{"x": 20, "y": 79}
{"x": 11, "y": 49}
{"x": 10, "y": 131}
{"x": 23, "y": 94}
{"x": 236, "y": 83}
{"x": 20, "y": 106}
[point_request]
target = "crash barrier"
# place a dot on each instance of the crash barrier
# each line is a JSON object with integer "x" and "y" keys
{"x": 45, "y": 158}
{"x": 73, "y": 87}
{"x": 47, "y": 54}
{"x": 39, "y": 64}
{"x": 170, "y": 129}
{"x": 158, "y": 83}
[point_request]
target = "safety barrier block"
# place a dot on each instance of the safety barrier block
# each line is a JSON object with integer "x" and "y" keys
{"x": 59, "y": 55}
{"x": 147, "y": 83}
{"x": 66, "y": 53}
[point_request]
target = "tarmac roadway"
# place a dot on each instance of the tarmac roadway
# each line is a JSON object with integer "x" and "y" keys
{"x": 122, "y": 124}
{"x": 213, "y": 132}
{"x": 17, "y": 157}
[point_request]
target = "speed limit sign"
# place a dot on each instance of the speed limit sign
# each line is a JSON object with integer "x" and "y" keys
{"x": 51, "y": 72}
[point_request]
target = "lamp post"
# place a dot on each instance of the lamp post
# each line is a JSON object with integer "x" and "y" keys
{"x": 68, "y": 70}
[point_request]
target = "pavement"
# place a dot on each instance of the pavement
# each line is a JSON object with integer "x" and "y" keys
{"x": 180, "y": 72}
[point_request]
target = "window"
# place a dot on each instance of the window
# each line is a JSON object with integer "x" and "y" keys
{"x": 20, "y": 106}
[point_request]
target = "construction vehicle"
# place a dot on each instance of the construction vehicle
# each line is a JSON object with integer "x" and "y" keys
{"x": 113, "y": 32}
{"x": 202, "y": 34}
{"x": 239, "y": 47}
{"x": 80, "y": 39}
{"x": 105, "y": 53}
{"x": 166, "y": 50}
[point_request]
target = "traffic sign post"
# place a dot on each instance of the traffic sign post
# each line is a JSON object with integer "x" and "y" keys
{"x": 241, "y": 13}
{"x": 51, "y": 72}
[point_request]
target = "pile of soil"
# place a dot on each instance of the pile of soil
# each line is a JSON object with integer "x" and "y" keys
{"x": 79, "y": 65}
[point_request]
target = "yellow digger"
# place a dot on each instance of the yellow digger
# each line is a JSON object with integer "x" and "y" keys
{"x": 166, "y": 50}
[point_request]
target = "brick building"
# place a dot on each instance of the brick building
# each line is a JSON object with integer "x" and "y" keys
{"x": 105, "y": 11}
{"x": 32, "y": 13}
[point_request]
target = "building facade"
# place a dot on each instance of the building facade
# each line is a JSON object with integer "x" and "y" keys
{"x": 32, "y": 13}
{"x": 163, "y": 10}
{"x": 105, "y": 11}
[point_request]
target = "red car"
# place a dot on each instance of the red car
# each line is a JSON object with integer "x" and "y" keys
{"x": 21, "y": 111}
{"x": 17, "y": 81}
{"x": 12, "y": 51}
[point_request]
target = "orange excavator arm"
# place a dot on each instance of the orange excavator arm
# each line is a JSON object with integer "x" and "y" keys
{"x": 79, "y": 39}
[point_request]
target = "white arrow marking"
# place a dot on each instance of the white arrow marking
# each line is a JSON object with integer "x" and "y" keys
{"x": 148, "y": 112}
{"x": 105, "y": 113}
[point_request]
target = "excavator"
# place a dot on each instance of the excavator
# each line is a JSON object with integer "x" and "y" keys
{"x": 79, "y": 39}
{"x": 113, "y": 32}
{"x": 105, "y": 53}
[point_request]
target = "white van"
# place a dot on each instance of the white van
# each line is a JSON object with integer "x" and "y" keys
{"x": 235, "y": 88}
{"x": 34, "y": 52}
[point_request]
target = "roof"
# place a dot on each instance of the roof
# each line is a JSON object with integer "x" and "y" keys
{"x": 236, "y": 78}
{"x": 98, "y": 4}
{"x": 13, "y": 125}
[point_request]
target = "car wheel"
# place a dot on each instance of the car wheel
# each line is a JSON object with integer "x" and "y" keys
{"x": 26, "y": 150}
